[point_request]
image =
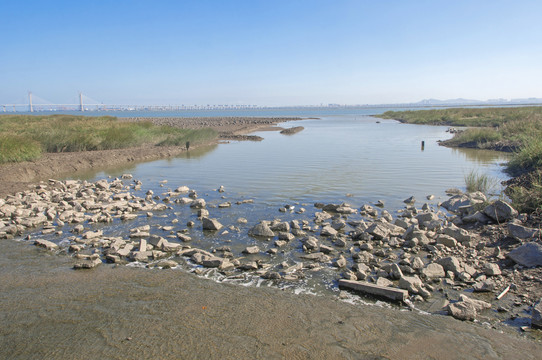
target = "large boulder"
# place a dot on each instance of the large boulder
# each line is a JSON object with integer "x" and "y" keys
{"x": 529, "y": 254}
{"x": 452, "y": 264}
{"x": 467, "y": 308}
{"x": 262, "y": 229}
{"x": 500, "y": 211}
{"x": 458, "y": 202}
{"x": 210, "y": 224}
{"x": 381, "y": 229}
{"x": 411, "y": 283}
{"x": 433, "y": 271}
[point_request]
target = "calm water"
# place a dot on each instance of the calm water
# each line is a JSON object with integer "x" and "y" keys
{"x": 334, "y": 156}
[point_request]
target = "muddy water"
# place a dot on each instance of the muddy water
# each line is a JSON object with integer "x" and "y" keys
{"x": 48, "y": 310}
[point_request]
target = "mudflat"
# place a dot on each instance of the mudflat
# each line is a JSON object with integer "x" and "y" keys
{"x": 132, "y": 313}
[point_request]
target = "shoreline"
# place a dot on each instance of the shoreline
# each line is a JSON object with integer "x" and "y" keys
{"x": 16, "y": 177}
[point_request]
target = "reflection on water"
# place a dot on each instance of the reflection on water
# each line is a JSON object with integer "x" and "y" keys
{"x": 481, "y": 156}
{"x": 332, "y": 157}
{"x": 118, "y": 170}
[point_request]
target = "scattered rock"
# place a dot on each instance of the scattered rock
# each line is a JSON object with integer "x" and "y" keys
{"x": 529, "y": 254}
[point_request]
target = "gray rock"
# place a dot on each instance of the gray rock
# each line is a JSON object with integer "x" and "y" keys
{"x": 521, "y": 232}
{"x": 319, "y": 257}
{"x": 281, "y": 226}
{"x": 340, "y": 262}
{"x": 49, "y": 245}
{"x": 212, "y": 262}
{"x": 395, "y": 272}
{"x": 536, "y": 316}
{"x": 210, "y": 224}
{"x": 461, "y": 201}
{"x": 447, "y": 241}
{"x": 417, "y": 263}
{"x": 452, "y": 264}
{"x": 382, "y": 281}
{"x": 328, "y": 231}
{"x": 433, "y": 271}
{"x": 251, "y": 265}
{"x": 167, "y": 264}
{"x": 484, "y": 286}
{"x": 380, "y": 230}
{"x": 198, "y": 204}
{"x": 457, "y": 233}
{"x": 491, "y": 269}
{"x": 261, "y": 229}
{"x": 500, "y": 211}
{"x": 311, "y": 243}
{"x": 467, "y": 308}
{"x": 411, "y": 283}
{"x": 89, "y": 263}
{"x": 251, "y": 250}
{"x": 478, "y": 216}
{"x": 529, "y": 254}
{"x": 410, "y": 200}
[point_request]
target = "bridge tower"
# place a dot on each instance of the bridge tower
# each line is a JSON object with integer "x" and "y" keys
{"x": 30, "y": 101}
{"x": 81, "y": 102}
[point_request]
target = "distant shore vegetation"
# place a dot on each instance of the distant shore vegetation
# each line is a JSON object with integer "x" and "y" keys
{"x": 513, "y": 129}
{"x": 27, "y": 137}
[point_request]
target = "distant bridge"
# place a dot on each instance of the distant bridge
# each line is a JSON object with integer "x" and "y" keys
{"x": 88, "y": 104}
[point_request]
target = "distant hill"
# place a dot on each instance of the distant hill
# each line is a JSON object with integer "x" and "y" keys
{"x": 461, "y": 101}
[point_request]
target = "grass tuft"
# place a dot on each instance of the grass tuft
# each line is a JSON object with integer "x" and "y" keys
{"x": 479, "y": 182}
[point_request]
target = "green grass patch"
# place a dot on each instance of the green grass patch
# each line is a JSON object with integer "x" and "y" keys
{"x": 24, "y": 137}
{"x": 478, "y": 137}
{"x": 527, "y": 198}
{"x": 480, "y": 117}
{"x": 17, "y": 148}
{"x": 528, "y": 158}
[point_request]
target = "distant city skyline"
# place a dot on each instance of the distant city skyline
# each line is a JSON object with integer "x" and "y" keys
{"x": 280, "y": 53}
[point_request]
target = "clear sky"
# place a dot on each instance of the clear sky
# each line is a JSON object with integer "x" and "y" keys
{"x": 272, "y": 52}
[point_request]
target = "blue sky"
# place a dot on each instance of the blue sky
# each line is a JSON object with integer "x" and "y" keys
{"x": 295, "y": 52}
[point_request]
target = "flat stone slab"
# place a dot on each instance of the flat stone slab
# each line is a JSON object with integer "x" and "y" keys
{"x": 529, "y": 254}
{"x": 372, "y": 289}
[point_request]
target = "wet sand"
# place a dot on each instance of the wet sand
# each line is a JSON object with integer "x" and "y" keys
{"x": 49, "y": 310}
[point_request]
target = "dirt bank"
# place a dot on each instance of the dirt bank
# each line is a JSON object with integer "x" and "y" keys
{"x": 17, "y": 177}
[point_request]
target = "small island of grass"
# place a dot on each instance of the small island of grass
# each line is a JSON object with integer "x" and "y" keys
{"x": 26, "y": 138}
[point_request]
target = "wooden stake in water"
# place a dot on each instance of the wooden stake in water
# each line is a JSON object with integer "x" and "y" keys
{"x": 423, "y": 145}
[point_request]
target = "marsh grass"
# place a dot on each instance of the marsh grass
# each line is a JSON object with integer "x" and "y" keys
{"x": 475, "y": 181}
{"x": 25, "y": 137}
{"x": 480, "y": 137}
{"x": 528, "y": 158}
{"x": 527, "y": 198}
{"x": 479, "y": 117}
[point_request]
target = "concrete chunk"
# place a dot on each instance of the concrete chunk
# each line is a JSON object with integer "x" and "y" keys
{"x": 376, "y": 290}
